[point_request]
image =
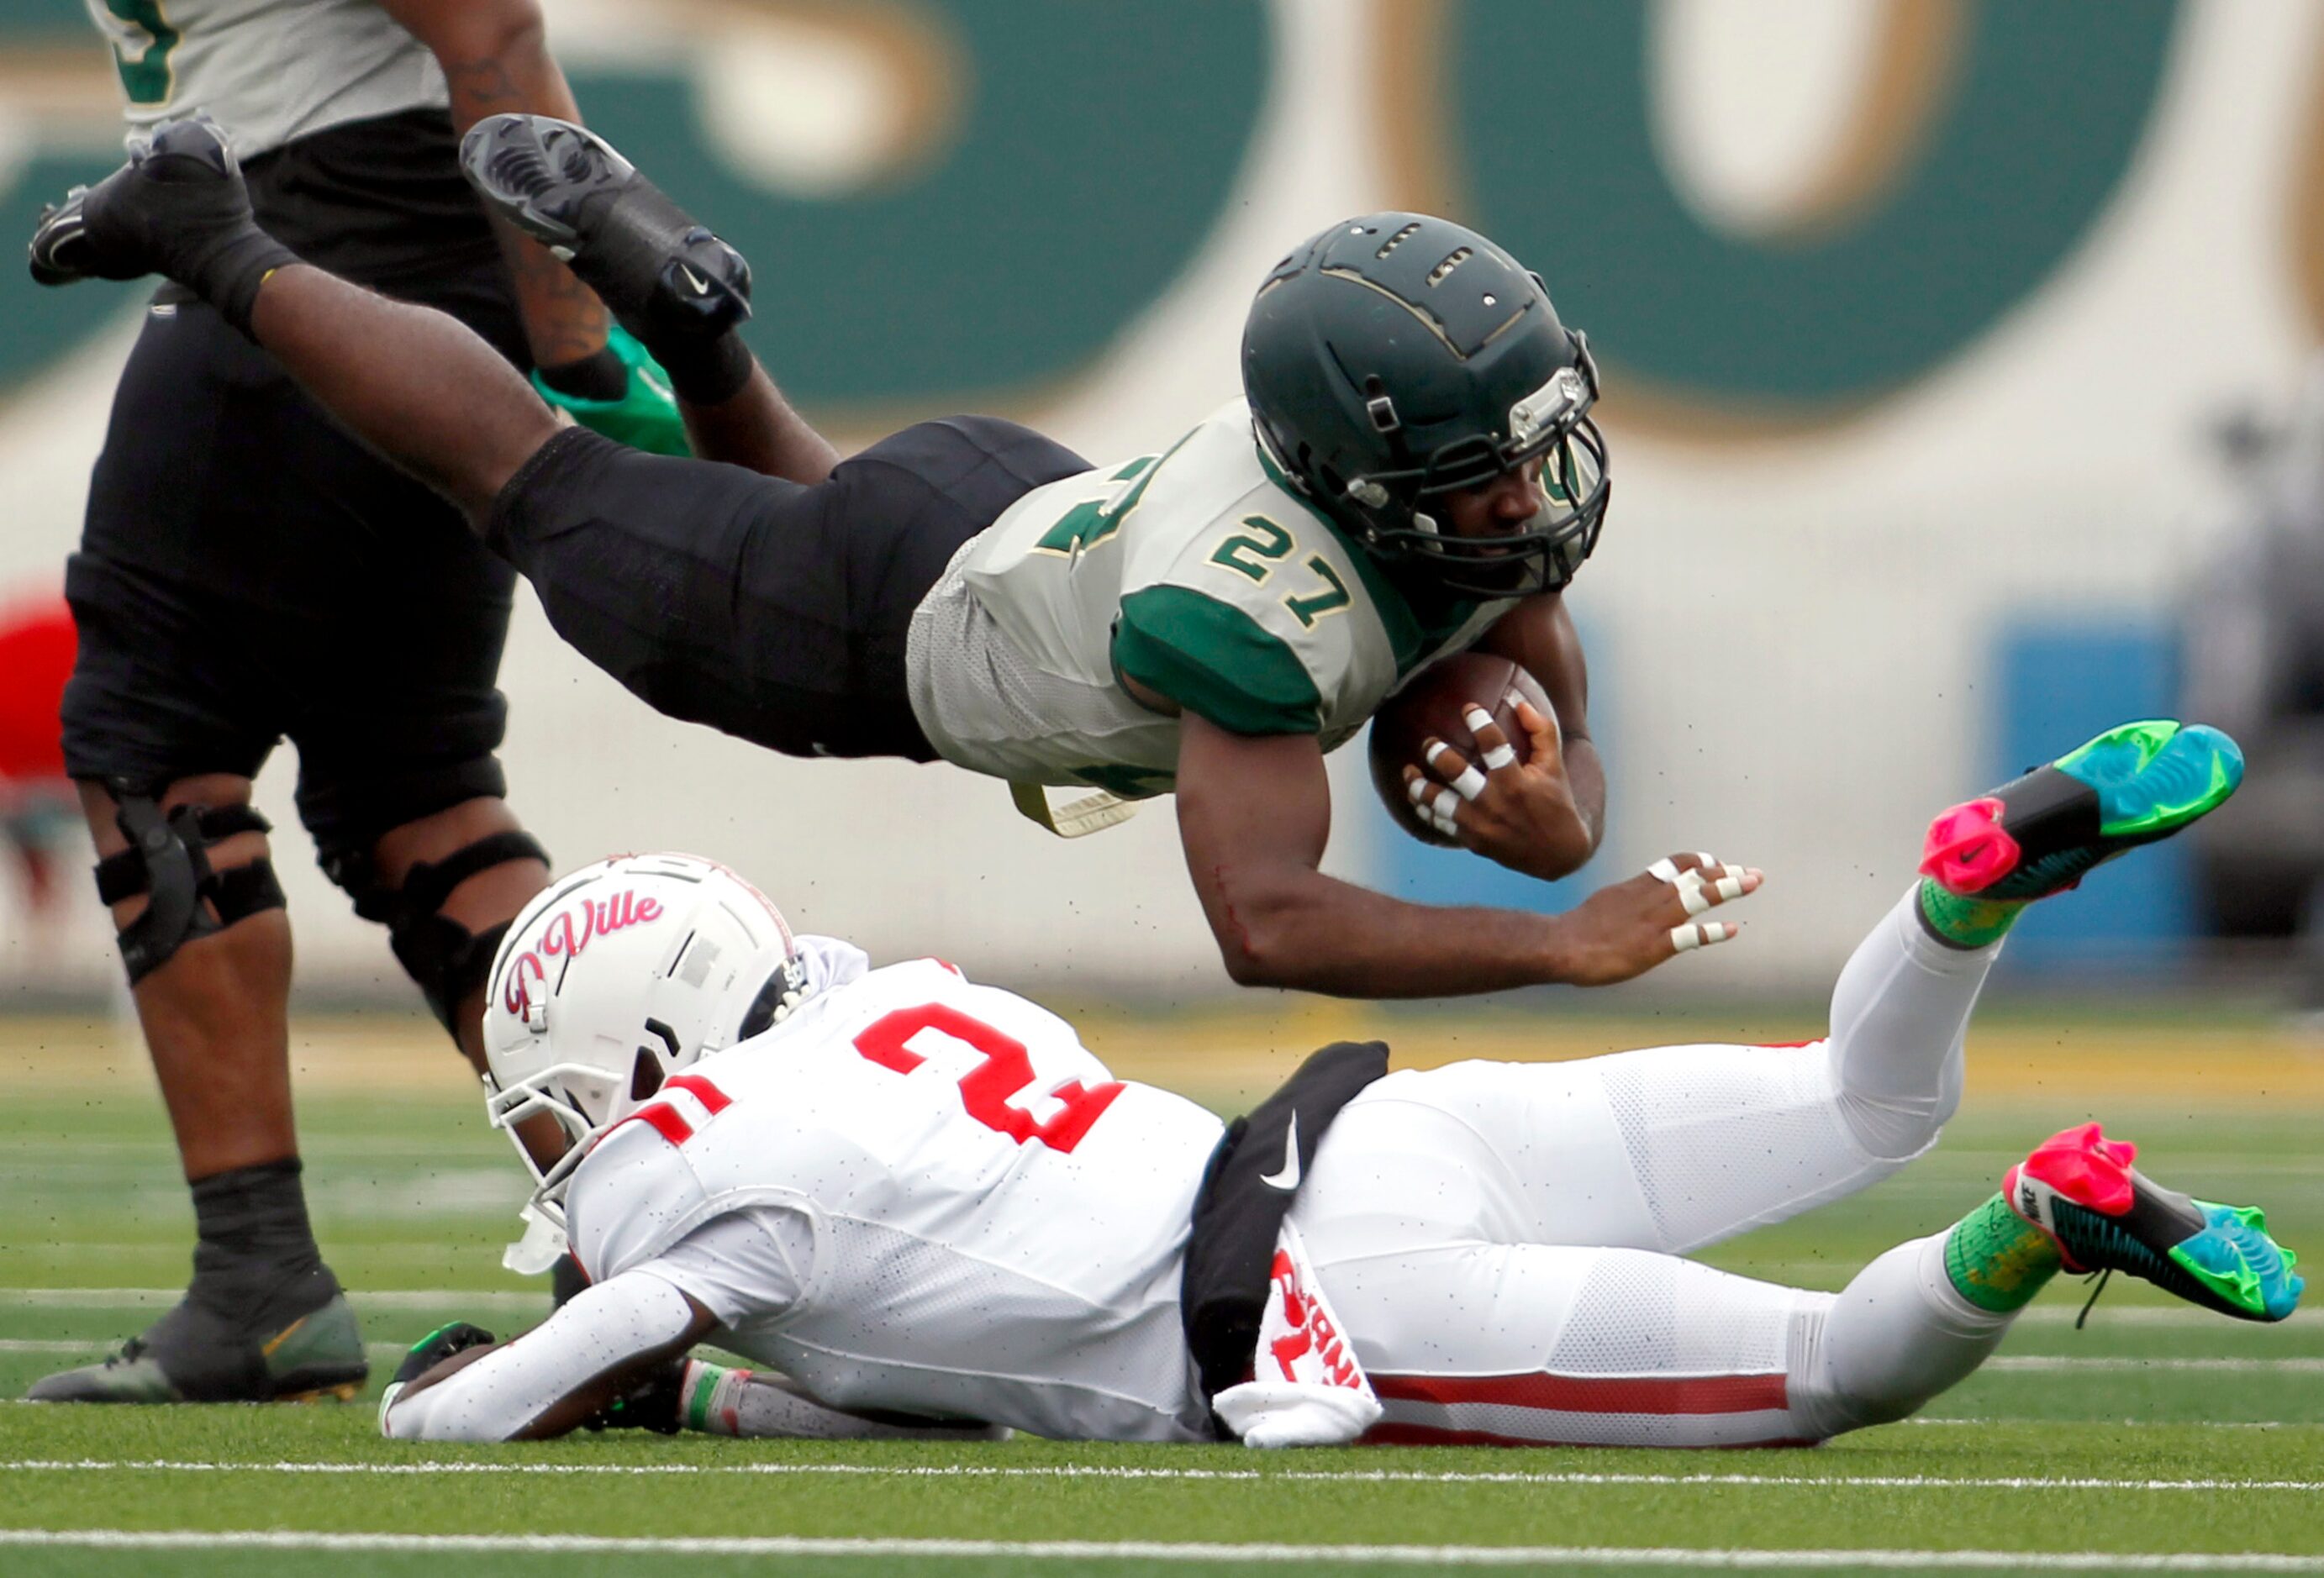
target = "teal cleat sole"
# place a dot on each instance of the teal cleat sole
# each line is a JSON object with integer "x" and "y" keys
{"x": 2079, "y": 1188}
{"x": 2133, "y": 784}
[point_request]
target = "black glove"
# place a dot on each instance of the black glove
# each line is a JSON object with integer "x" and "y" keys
{"x": 436, "y": 1347}
{"x": 651, "y": 1404}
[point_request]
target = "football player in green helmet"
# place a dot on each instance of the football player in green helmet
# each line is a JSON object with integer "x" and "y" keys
{"x": 1397, "y": 365}
{"x": 1415, "y": 473}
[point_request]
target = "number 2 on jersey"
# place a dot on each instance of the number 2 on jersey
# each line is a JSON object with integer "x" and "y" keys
{"x": 985, "y": 1089}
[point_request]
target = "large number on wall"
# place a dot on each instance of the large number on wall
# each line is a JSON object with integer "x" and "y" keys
{"x": 1091, "y": 150}
{"x": 1549, "y": 150}
{"x": 1081, "y": 153}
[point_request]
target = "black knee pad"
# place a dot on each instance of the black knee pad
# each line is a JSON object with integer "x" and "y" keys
{"x": 168, "y": 859}
{"x": 350, "y": 805}
{"x": 445, "y": 958}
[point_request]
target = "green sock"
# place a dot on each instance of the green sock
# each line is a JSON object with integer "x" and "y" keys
{"x": 1998, "y": 1260}
{"x": 1966, "y": 923}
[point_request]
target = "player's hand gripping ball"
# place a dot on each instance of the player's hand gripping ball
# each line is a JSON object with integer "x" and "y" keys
{"x": 1435, "y": 706}
{"x": 1470, "y": 753}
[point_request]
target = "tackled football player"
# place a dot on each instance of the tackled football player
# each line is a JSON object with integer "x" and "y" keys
{"x": 214, "y": 618}
{"x": 916, "y": 1196}
{"x": 1415, "y": 472}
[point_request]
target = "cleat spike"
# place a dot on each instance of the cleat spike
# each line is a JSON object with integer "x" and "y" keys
{"x": 660, "y": 271}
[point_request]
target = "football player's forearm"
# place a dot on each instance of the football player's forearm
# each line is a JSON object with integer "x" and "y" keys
{"x": 555, "y": 1377}
{"x": 758, "y": 429}
{"x": 1314, "y": 933}
{"x": 496, "y": 61}
{"x": 1585, "y": 775}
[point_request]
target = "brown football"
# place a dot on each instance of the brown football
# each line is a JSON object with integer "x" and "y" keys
{"x": 1431, "y": 705}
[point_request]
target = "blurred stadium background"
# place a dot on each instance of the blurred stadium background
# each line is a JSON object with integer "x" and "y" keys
{"x": 1956, "y": 353}
{"x": 1920, "y": 319}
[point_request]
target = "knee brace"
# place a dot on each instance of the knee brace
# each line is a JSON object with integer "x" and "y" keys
{"x": 168, "y": 859}
{"x": 447, "y": 959}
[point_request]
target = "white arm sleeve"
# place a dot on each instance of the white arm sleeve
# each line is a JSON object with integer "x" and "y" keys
{"x": 514, "y": 1384}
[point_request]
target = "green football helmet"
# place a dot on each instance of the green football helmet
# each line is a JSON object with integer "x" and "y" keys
{"x": 1395, "y": 358}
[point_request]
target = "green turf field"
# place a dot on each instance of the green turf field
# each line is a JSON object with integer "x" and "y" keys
{"x": 2156, "y": 1439}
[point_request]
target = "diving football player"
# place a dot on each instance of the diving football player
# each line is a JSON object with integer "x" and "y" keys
{"x": 1414, "y": 470}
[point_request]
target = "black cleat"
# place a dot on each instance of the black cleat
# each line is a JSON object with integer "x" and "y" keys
{"x": 192, "y": 1355}
{"x": 662, "y": 274}
{"x": 182, "y": 187}
{"x": 178, "y": 208}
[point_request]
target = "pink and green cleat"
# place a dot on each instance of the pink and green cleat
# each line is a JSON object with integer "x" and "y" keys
{"x": 2042, "y": 833}
{"x": 2079, "y": 1188}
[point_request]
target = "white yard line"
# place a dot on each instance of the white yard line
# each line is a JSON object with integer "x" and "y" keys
{"x": 2064, "y": 1313}
{"x": 69, "y": 1345}
{"x": 175, "y": 1249}
{"x": 1975, "y": 1422}
{"x": 2061, "y": 1362}
{"x": 1729, "y": 1558}
{"x": 455, "y": 1466}
{"x": 162, "y": 1297}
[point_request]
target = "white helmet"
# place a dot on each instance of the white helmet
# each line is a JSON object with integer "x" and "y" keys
{"x": 616, "y": 978}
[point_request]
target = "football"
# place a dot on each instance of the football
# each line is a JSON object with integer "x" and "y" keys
{"x": 1431, "y": 706}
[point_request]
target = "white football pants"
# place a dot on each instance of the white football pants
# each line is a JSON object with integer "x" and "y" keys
{"x": 1502, "y": 1240}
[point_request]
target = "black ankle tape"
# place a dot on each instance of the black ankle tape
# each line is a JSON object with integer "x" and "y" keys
{"x": 252, "y": 1231}
{"x": 230, "y": 277}
{"x": 706, "y": 374}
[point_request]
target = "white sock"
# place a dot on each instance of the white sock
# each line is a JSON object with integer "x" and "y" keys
{"x": 1899, "y": 1021}
{"x": 1897, "y": 1336}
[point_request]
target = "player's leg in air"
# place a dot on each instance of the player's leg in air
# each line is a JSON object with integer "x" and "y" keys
{"x": 675, "y": 285}
{"x": 774, "y": 607}
{"x": 1503, "y": 1241}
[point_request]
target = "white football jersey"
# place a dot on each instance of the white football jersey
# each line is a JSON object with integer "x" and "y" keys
{"x": 997, "y": 1225}
{"x": 1201, "y": 574}
{"x": 266, "y": 70}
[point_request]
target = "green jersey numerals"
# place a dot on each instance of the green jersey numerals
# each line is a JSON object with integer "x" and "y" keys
{"x": 143, "y": 41}
{"x": 1255, "y": 551}
{"x": 1252, "y": 553}
{"x": 1092, "y": 521}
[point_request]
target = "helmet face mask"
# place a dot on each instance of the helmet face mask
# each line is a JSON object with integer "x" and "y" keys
{"x": 1539, "y": 553}
{"x": 613, "y": 980}
{"x": 1394, "y": 360}
{"x": 557, "y": 1092}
